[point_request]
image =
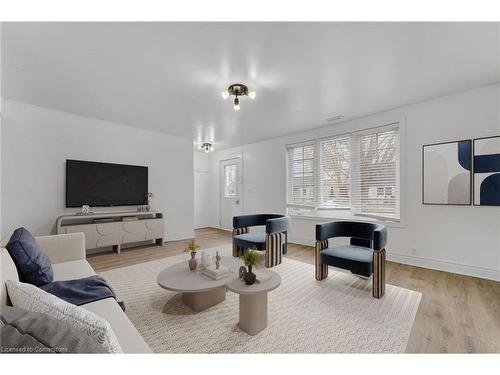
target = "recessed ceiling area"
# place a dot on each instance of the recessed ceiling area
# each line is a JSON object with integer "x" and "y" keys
{"x": 168, "y": 77}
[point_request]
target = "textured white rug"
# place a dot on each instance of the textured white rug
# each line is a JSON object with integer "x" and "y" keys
{"x": 336, "y": 315}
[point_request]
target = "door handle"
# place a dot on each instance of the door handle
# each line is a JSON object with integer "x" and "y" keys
{"x": 237, "y": 201}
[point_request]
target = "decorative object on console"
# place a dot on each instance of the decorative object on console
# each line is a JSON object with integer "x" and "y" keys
{"x": 447, "y": 173}
{"x": 238, "y": 90}
{"x": 487, "y": 171}
{"x": 85, "y": 209}
{"x": 192, "y": 246}
{"x": 149, "y": 196}
{"x": 251, "y": 259}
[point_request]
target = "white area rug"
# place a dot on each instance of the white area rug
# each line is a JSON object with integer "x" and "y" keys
{"x": 336, "y": 315}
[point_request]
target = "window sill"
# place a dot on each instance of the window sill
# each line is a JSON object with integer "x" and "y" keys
{"x": 344, "y": 216}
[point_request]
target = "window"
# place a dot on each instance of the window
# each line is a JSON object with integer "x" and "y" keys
{"x": 335, "y": 175}
{"x": 357, "y": 173}
{"x": 301, "y": 175}
{"x": 230, "y": 181}
{"x": 377, "y": 176}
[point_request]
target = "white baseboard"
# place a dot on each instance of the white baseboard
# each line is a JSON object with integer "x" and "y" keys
{"x": 442, "y": 265}
{"x": 434, "y": 264}
{"x": 217, "y": 227}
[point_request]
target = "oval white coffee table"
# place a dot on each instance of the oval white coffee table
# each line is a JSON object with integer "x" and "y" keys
{"x": 253, "y": 301}
{"x": 199, "y": 292}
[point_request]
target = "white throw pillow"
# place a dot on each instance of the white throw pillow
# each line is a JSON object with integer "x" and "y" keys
{"x": 29, "y": 297}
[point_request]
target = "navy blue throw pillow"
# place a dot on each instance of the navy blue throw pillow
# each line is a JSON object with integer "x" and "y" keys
{"x": 32, "y": 264}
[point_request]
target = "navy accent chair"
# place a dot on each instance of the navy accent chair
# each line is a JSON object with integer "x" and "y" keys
{"x": 273, "y": 241}
{"x": 364, "y": 256}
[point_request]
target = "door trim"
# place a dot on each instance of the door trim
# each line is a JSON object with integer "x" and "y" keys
{"x": 242, "y": 200}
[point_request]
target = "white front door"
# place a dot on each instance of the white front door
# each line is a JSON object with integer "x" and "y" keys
{"x": 230, "y": 191}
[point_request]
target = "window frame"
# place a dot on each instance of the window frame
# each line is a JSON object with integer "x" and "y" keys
{"x": 288, "y": 171}
{"x": 318, "y": 212}
{"x": 374, "y": 130}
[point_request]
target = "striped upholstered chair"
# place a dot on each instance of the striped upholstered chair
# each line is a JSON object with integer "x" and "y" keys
{"x": 273, "y": 241}
{"x": 364, "y": 256}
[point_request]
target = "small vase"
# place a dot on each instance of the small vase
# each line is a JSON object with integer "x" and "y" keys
{"x": 250, "y": 277}
{"x": 206, "y": 260}
{"x": 193, "y": 262}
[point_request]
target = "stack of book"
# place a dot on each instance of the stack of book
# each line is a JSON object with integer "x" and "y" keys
{"x": 215, "y": 273}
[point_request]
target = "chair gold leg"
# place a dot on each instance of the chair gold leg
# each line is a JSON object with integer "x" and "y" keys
{"x": 378, "y": 273}
{"x": 321, "y": 270}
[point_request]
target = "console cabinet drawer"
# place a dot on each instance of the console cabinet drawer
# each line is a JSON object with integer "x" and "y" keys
{"x": 117, "y": 232}
{"x": 89, "y": 231}
{"x": 154, "y": 229}
{"x": 134, "y": 226}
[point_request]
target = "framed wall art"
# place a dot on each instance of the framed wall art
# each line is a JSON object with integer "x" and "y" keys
{"x": 487, "y": 171}
{"x": 447, "y": 173}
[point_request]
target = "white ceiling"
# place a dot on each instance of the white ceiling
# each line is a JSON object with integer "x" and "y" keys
{"x": 168, "y": 76}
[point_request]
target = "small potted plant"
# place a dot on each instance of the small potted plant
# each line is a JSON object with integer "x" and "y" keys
{"x": 192, "y": 246}
{"x": 251, "y": 259}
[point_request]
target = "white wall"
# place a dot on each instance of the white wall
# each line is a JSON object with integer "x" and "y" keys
{"x": 201, "y": 190}
{"x": 36, "y": 141}
{"x": 457, "y": 239}
{"x": 0, "y": 130}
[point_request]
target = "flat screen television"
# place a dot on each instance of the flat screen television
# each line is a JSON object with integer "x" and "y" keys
{"x": 105, "y": 184}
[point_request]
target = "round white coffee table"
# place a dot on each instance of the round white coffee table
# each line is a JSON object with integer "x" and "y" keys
{"x": 199, "y": 292}
{"x": 253, "y": 301}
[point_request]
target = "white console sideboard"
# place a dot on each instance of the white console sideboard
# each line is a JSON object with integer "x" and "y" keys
{"x": 148, "y": 226}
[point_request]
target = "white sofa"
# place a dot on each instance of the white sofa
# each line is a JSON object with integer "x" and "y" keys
{"x": 67, "y": 254}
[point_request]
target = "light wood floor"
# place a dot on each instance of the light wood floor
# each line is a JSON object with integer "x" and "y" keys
{"x": 457, "y": 314}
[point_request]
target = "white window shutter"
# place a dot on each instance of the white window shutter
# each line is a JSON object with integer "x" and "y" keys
{"x": 301, "y": 176}
{"x": 334, "y": 179}
{"x": 375, "y": 178}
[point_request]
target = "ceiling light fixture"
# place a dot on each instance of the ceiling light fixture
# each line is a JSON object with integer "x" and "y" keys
{"x": 207, "y": 147}
{"x": 236, "y": 105}
{"x": 237, "y": 90}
